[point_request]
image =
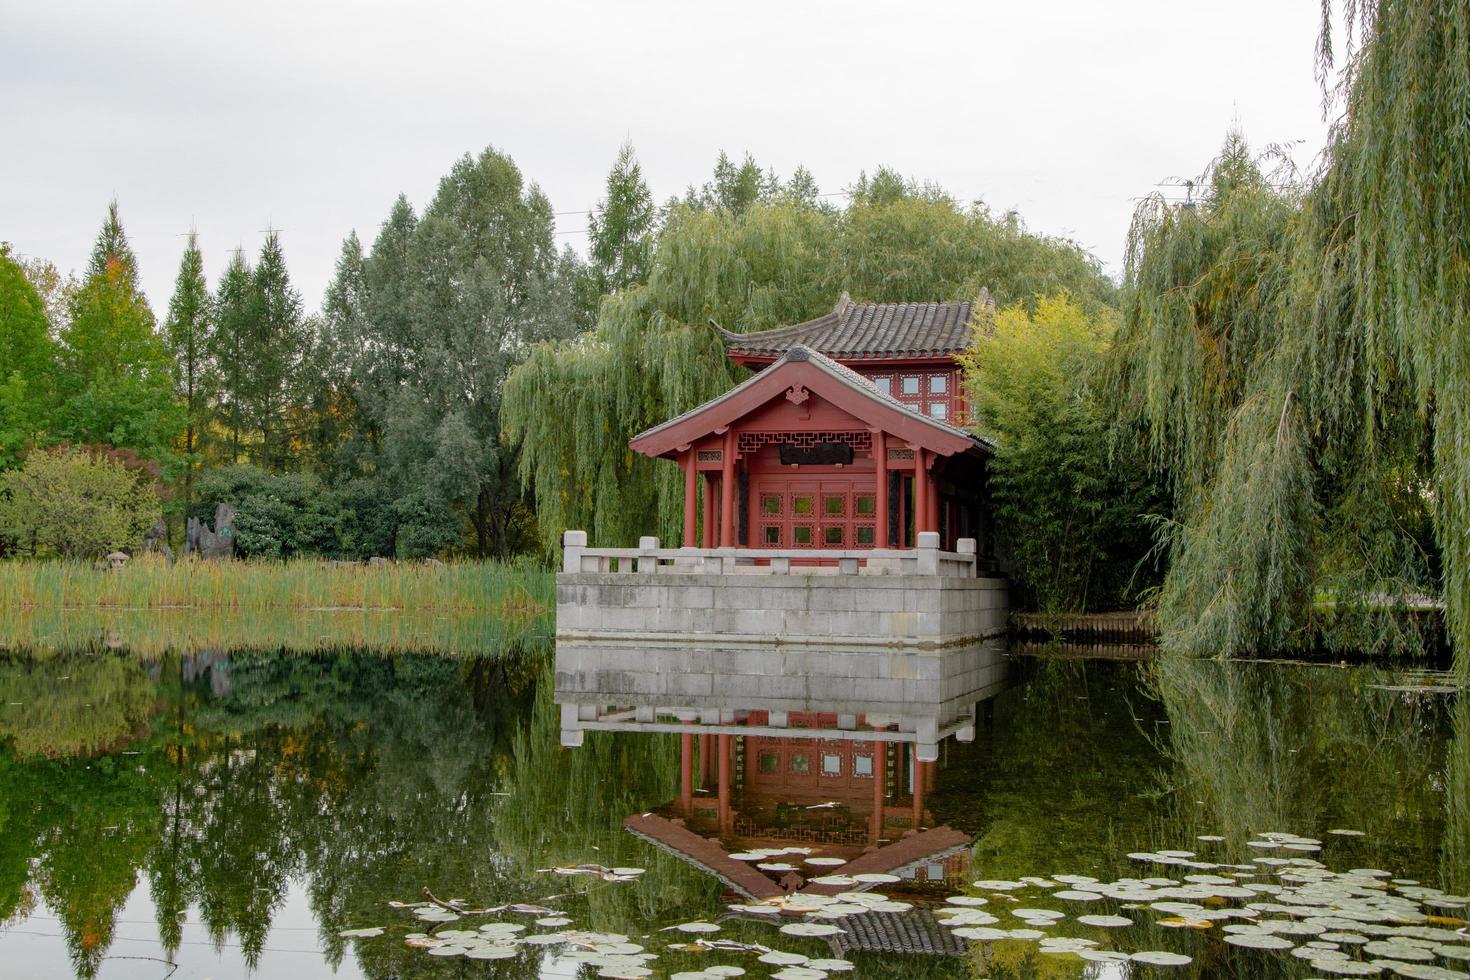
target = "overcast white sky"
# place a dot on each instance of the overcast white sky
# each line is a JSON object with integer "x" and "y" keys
{"x": 310, "y": 116}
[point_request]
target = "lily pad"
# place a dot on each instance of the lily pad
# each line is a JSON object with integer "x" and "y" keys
{"x": 828, "y": 862}
{"x": 1160, "y": 957}
{"x": 1258, "y": 940}
{"x": 877, "y": 878}
{"x": 778, "y": 958}
{"x": 366, "y": 933}
{"x": 1105, "y": 921}
{"x": 491, "y": 952}
{"x": 810, "y": 929}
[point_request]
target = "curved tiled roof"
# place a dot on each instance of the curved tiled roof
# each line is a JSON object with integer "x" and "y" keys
{"x": 840, "y": 372}
{"x": 870, "y": 331}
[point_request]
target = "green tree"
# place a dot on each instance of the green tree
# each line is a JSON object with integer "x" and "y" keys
{"x": 234, "y": 313}
{"x": 1069, "y": 515}
{"x": 28, "y": 369}
{"x": 187, "y": 333}
{"x": 620, "y": 230}
{"x": 454, "y": 300}
{"x": 751, "y": 256}
{"x": 77, "y": 502}
{"x": 116, "y": 384}
{"x": 278, "y": 343}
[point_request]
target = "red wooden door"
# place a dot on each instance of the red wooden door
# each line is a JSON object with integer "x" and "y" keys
{"x": 826, "y": 511}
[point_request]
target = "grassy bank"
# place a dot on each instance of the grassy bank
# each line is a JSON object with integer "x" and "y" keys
{"x": 302, "y": 585}
{"x": 150, "y": 606}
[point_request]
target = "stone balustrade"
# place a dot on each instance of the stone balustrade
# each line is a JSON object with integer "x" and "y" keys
{"x": 650, "y": 559}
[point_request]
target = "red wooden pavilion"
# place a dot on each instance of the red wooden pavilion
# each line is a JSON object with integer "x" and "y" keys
{"x": 848, "y": 436}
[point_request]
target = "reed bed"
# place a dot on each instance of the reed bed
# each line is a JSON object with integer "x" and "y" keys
{"x": 517, "y": 590}
{"x": 151, "y": 633}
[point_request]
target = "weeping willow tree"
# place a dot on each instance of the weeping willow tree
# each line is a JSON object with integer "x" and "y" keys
{"x": 783, "y": 258}
{"x": 1299, "y": 350}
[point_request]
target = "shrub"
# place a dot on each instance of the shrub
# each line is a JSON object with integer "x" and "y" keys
{"x": 77, "y": 502}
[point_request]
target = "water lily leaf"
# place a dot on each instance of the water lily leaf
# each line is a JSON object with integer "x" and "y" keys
{"x": 778, "y": 958}
{"x": 1344, "y": 832}
{"x": 1105, "y": 921}
{"x": 776, "y": 866}
{"x": 1026, "y": 934}
{"x": 1103, "y": 955}
{"x": 448, "y": 951}
{"x": 826, "y": 862}
{"x": 1258, "y": 940}
{"x": 491, "y": 952}
{"x": 629, "y": 872}
{"x": 831, "y": 966}
{"x": 554, "y": 920}
{"x": 1210, "y": 838}
{"x": 724, "y": 971}
{"x": 973, "y": 900}
{"x": 1351, "y": 968}
{"x": 810, "y": 929}
{"x": 365, "y": 933}
{"x": 988, "y": 885}
{"x": 1074, "y": 895}
{"x": 839, "y": 881}
{"x": 697, "y": 927}
{"x": 1159, "y": 957}
{"x": 877, "y": 878}
{"x": 981, "y": 933}
{"x": 798, "y": 973}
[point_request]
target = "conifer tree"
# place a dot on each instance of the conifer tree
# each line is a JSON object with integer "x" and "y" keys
{"x": 621, "y": 227}
{"x": 116, "y": 382}
{"x": 234, "y": 313}
{"x": 187, "y": 333}
{"x": 278, "y": 341}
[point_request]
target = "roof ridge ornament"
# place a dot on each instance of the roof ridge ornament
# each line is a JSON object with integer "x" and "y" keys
{"x": 844, "y": 303}
{"x": 799, "y": 352}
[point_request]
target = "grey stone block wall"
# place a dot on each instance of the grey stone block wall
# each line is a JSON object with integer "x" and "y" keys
{"x": 940, "y": 682}
{"x": 847, "y": 610}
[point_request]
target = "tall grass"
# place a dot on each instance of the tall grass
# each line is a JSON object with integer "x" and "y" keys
{"x": 151, "y": 606}
{"x": 148, "y": 583}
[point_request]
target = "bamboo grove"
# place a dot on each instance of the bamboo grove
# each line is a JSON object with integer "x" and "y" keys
{"x": 1297, "y": 349}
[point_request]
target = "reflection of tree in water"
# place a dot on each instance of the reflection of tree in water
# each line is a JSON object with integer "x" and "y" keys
{"x": 1454, "y": 864}
{"x": 1057, "y": 783}
{"x": 73, "y": 704}
{"x": 1260, "y": 747}
{"x": 566, "y": 806}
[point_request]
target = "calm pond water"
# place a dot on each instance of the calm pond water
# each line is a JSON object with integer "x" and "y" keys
{"x": 229, "y": 814}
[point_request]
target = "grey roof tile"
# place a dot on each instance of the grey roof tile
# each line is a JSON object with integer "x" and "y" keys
{"x": 870, "y": 331}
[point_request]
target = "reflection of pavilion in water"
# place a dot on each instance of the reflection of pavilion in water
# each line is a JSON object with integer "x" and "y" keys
{"x": 783, "y": 790}
{"x": 815, "y": 808}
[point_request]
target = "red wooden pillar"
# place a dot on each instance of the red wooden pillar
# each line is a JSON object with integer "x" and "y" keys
{"x": 727, "y": 492}
{"x": 919, "y": 776}
{"x": 921, "y": 492}
{"x": 706, "y": 760}
{"x": 709, "y": 510}
{"x": 691, "y": 499}
{"x": 686, "y": 772}
{"x": 724, "y": 755}
{"x": 880, "y": 770}
{"x": 933, "y": 505}
{"x": 880, "y": 470}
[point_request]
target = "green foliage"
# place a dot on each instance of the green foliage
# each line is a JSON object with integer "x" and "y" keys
{"x": 451, "y": 301}
{"x": 1289, "y": 393}
{"x": 1069, "y": 515}
{"x": 187, "y": 334}
{"x": 28, "y": 369}
{"x": 620, "y": 230}
{"x": 116, "y": 383}
{"x": 234, "y": 301}
{"x": 276, "y": 343}
{"x": 750, "y": 254}
{"x": 77, "y": 503}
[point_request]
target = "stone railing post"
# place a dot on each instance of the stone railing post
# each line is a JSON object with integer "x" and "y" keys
{"x": 780, "y": 566}
{"x": 573, "y": 543}
{"x": 966, "y": 546}
{"x": 847, "y": 566}
{"x": 927, "y": 553}
{"x": 647, "y": 564}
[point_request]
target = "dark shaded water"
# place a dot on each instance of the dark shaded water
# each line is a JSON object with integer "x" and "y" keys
{"x": 231, "y": 813}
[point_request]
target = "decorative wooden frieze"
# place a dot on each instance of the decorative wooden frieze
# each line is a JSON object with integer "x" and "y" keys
{"x": 711, "y": 456}
{"x": 901, "y": 455}
{"x": 750, "y": 442}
